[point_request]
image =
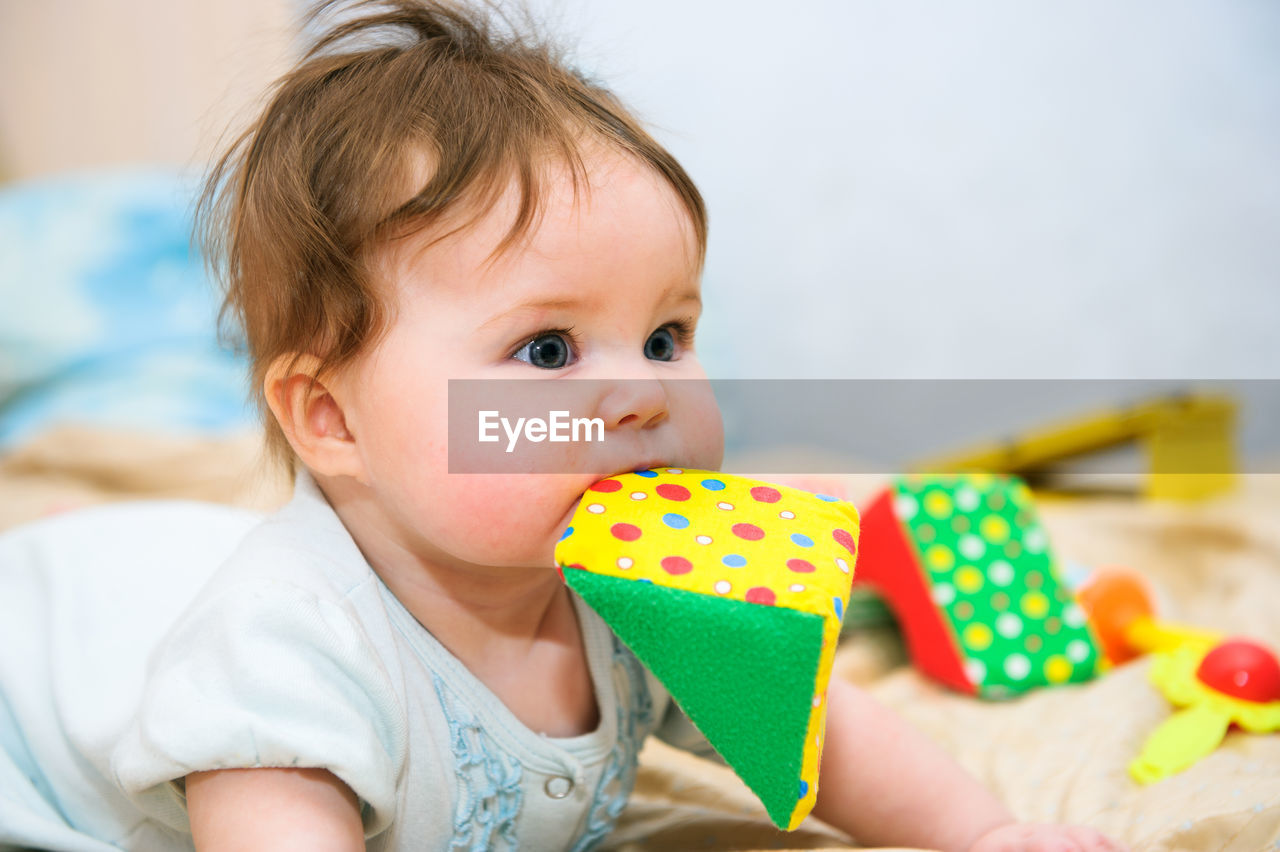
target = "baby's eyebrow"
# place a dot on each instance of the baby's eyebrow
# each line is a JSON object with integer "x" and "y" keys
{"x": 691, "y": 293}
{"x": 554, "y": 303}
{"x": 560, "y": 303}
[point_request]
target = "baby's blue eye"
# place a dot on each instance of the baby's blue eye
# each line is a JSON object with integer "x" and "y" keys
{"x": 661, "y": 345}
{"x": 549, "y": 351}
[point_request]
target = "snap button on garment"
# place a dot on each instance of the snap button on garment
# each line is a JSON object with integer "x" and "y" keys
{"x": 557, "y": 787}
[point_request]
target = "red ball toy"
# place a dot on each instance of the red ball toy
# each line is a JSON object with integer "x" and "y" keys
{"x": 1242, "y": 669}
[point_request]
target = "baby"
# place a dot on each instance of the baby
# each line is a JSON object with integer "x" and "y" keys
{"x": 392, "y": 661}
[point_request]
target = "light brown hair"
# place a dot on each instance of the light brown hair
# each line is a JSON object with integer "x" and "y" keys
{"x": 291, "y": 209}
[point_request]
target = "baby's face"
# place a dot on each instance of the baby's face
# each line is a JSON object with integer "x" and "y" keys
{"x": 604, "y": 288}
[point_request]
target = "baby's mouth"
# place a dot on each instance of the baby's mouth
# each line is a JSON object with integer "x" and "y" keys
{"x": 649, "y": 464}
{"x": 567, "y": 519}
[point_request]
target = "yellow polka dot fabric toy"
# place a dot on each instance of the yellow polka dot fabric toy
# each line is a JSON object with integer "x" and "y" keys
{"x": 731, "y": 591}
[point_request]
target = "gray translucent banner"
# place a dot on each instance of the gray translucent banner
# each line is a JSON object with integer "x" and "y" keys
{"x": 782, "y": 426}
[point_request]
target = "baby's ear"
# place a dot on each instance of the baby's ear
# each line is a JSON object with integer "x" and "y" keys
{"x": 311, "y": 416}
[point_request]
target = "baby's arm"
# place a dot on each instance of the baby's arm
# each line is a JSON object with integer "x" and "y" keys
{"x": 273, "y": 809}
{"x": 886, "y": 784}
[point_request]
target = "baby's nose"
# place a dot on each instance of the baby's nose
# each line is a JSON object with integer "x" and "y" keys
{"x": 634, "y": 404}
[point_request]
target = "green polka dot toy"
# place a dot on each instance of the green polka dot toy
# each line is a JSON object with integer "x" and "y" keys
{"x": 966, "y": 566}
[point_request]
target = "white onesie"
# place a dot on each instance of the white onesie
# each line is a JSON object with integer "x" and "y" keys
{"x": 288, "y": 652}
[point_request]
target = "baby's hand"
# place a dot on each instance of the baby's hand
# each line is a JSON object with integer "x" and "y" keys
{"x": 1020, "y": 837}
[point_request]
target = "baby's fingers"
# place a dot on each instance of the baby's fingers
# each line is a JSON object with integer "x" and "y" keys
{"x": 1089, "y": 840}
{"x": 1046, "y": 838}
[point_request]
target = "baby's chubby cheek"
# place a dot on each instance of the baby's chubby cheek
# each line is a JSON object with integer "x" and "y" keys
{"x": 509, "y": 519}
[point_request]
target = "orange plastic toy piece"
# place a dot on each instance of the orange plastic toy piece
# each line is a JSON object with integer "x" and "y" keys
{"x": 1121, "y": 610}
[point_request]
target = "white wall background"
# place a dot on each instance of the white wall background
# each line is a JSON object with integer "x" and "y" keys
{"x": 898, "y": 188}
{"x": 996, "y": 188}
{"x": 87, "y": 84}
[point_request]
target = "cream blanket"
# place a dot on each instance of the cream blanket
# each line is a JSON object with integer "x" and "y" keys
{"x": 1056, "y": 755}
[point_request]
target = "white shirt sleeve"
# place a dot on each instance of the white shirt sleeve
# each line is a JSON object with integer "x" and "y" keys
{"x": 675, "y": 729}
{"x": 265, "y": 674}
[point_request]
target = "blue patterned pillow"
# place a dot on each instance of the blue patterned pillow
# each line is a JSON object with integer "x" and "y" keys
{"x": 106, "y": 314}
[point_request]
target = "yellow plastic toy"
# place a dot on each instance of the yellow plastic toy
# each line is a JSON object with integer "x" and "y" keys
{"x": 1188, "y": 440}
{"x": 1236, "y": 681}
{"x": 1218, "y": 682}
